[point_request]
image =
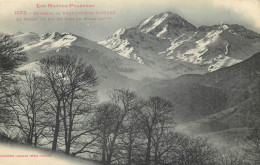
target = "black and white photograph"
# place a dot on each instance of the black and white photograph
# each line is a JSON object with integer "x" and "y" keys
{"x": 128, "y": 82}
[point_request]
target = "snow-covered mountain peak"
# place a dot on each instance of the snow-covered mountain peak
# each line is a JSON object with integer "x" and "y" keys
{"x": 165, "y": 24}
{"x": 169, "y": 37}
{"x": 48, "y": 41}
{"x": 152, "y": 22}
{"x": 157, "y": 19}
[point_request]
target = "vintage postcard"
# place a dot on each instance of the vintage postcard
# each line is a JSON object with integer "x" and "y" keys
{"x": 128, "y": 82}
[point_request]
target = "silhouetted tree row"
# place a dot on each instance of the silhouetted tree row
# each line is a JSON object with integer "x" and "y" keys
{"x": 53, "y": 108}
{"x": 70, "y": 83}
{"x": 137, "y": 131}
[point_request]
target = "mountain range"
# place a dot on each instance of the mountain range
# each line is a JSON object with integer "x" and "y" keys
{"x": 165, "y": 44}
{"x": 210, "y": 73}
{"x": 197, "y": 96}
{"x": 166, "y": 40}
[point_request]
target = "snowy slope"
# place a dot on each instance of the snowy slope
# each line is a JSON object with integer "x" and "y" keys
{"x": 113, "y": 70}
{"x": 121, "y": 46}
{"x": 24, "y": 155}
{"x": 163, "y": 46}
{"x": 165, "y": 25}
{"x": 166, "y": 39}
{"x": 102, "y": 58}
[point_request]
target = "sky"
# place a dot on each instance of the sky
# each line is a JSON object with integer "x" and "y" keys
{"x": 128, "y": 13}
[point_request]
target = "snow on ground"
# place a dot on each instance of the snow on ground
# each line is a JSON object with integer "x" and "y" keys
{"x": 156, "y": 23}
{"x": 195, "y": 55}
{"x": 34, "y": 44}
{"x": 123, "y": 48}
{"x": 11, "y": 154}
{"x": 162, "y": 32}
{"x": 226, "y": 49}
{"x": 65, "y": 41}
{"x": 176, "y": 43}
{"x": 145, "y": 22}
{"x": 139, "y": 59}
{"x": 120, "y": 46}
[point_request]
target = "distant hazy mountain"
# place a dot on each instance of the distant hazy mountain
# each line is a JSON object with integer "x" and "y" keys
{"x": 233, "y": 92}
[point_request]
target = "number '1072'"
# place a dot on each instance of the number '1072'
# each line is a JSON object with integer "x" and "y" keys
{"x": 20, "y": 12}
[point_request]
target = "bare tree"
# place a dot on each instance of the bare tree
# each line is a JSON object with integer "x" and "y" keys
{"x": 196, "y": 151}
{"x": 232, "y": 158}
{"x": 112, "y": 117}
{"x": 105, "y": 123}
{"x": 28, "y": 105}
{"x": 163, "y": 144}
{"x": 128, "y": 102}
{"x": 72, "y": 84}
{"x": 79, "y": 96}
{"x": 154, "y": 116}
{"x": 130, "y": 140}
{"x": 51, "y": 68}
{"x": 11, "y": 57}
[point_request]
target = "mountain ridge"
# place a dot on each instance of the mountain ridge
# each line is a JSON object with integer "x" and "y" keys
{"x": 210, "y": 47}
{"x": 198, "y": 96}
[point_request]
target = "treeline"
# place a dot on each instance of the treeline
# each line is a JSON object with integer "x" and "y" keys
{"x": 58, "y": 108}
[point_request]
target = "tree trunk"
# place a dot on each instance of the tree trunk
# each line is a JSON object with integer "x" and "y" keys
{"x": 129, "y": 156}
{"x": 35, "y": 140}
{"x": 109, "y": 158}
{"x": 29, "y": 139}
{"x": 70, "y": 131}
{"x": 148, "y": 151}
{"x": 30, "y": 136}
{"x": 156, "y": 160}
{"x": 35, "y": 131}
{"x": 65, "y": 130}
{"x": 68, "y": 144}
{"x": 111, "y": 150}
{"x": 35, "y": 137}
{"x": 104, "y": 147}
{"x": 67, "y": 151}
{"x": 57, "y": 128}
